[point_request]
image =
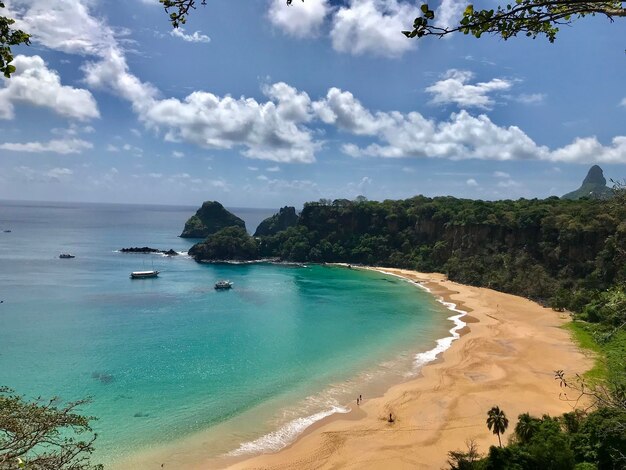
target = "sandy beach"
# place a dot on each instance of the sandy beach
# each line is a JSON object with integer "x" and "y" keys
{"x": 506, "y": 356}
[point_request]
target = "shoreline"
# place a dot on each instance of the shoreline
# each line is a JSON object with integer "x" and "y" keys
{"x": 362, "y": 437}
{"x": 187, "y": 452}
{"x": 431, "y": 411}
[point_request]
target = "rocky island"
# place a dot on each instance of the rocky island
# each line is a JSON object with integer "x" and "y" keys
{"x": 147, "y": 249}
{"x": 209, "y": 219}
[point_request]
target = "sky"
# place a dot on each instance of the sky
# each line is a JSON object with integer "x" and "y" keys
{"x": 256, "y": 104}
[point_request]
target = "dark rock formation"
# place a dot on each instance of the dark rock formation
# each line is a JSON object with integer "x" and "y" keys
{"x": 147, "y": 249}
{"x": 209, "y": 219}
{"x": 593, "y": 187}
{"x": 231, "y": 243}
{"x": 285, "y": 218}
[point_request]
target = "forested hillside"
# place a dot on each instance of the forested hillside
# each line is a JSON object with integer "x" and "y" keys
{"x": 535, "y": 248}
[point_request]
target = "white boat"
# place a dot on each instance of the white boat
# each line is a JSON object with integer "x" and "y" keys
{"x": 143, "y": 274}
{"x": 221, "y": 285}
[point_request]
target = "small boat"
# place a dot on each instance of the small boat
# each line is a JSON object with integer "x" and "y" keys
{"x": 221, "y": 285}
{"x": 6, "y": 231}
{"x": 66, "y": 256}
{"x": 143, "y": 274}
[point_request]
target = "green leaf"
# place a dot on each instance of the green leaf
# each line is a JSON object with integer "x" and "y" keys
{"x": 424, "y": 8}
{"x": 469, "y": 10}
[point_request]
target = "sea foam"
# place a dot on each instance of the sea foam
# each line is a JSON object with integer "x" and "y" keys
{"x": 284, "y": 435}
{"x": 289, "y": 432}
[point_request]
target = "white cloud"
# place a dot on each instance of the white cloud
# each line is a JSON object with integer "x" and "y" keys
{"x": 454, "y": 88}
{"x": 373, "y": 26}
{"x": 508, "y": 183}
{"x": 177, "y": 154}
{"x": 501, "y": 174}
{"x": 301, "y": 19}
{"x": 195, "y": 37}
{"x": 135, "y": 151}
{"x": 449, "y": 13}
{"x": 273, "y": 169}
{"x": 292, "y": 104}
{"x": 253, "y": 168}
{"x": 462, "y": 136}
{"x": 61, "y": 146}
{"x": 531, "y": 98}
{"x": 112, "y": 148}
{"x": 65, "y": 25}
{"x": 224, "y": 122}
{"x": 280, "y": 128}
{"x": 268, "y": 130}
{"x": 623, "y": 102}
{"x": 472, "y": 182}
{"x": 59, "y": 173}
{"x": 342, "y": 109}
{"x": 586, "y": 150}
{"x": 35, "y": 84}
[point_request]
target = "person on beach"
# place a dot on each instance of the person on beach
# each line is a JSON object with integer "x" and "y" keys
{"x": 361, "y": 398}
{"x": 357, "y": 401}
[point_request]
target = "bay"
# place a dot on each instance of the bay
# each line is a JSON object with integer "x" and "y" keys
{"x": 166, "y": 358}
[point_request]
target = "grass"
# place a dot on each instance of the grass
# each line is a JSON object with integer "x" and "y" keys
{"x": 583, "y": 334}
{"x": 607, "y": 346}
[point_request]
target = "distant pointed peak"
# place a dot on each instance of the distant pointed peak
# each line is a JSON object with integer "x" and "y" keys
{"x": 595, "y": 176}
{"x": 594, "y": 186}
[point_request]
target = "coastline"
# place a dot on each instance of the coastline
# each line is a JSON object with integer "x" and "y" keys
{"x": 496, "y": 354}
{"x": 506, "y": 355}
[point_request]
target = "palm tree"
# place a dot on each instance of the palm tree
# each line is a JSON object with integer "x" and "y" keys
{"x": 497, "y": 422}
{"x": 525, "y": 427}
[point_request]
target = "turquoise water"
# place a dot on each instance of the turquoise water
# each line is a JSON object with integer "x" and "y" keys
{"x": 169, "y": 357}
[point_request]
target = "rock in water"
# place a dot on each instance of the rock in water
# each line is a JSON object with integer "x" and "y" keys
{"x": 210, "y": 218}
{"x": 285, "y": 218}
{"x": 593, "y": 187}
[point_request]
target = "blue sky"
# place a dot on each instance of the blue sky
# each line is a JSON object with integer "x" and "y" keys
{"x": 257, "y": 104}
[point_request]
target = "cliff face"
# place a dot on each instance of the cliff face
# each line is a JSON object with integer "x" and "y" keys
{"x": 209, "y": 219}
{"x": 593, "y": 187}
{"x": 285, "y": 218}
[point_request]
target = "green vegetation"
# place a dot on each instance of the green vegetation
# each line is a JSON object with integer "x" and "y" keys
{"x": 531, "y": 18}
{"x": 575, "y": 440}
{"x": 9, "y": 37}
{"x": 231, "y": 243}
{"x": 560, "y": 252}
{"x": 210, "y": 218}
{"x": 43, "y": 435}
{"x": 497, "y": 422}
{"x": 285, "y": 218}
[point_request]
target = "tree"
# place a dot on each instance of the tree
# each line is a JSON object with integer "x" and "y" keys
{"x": 497, "y": 422}
{"x": 9, "y": 37}
{"x": 525, "y": 428}
{"x": 44, "y": 435}
{"x": 459, "y": 460}
{"x": 530, "y": 17}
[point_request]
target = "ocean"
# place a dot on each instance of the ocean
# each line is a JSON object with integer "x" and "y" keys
{"x": 168, "y": 358}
